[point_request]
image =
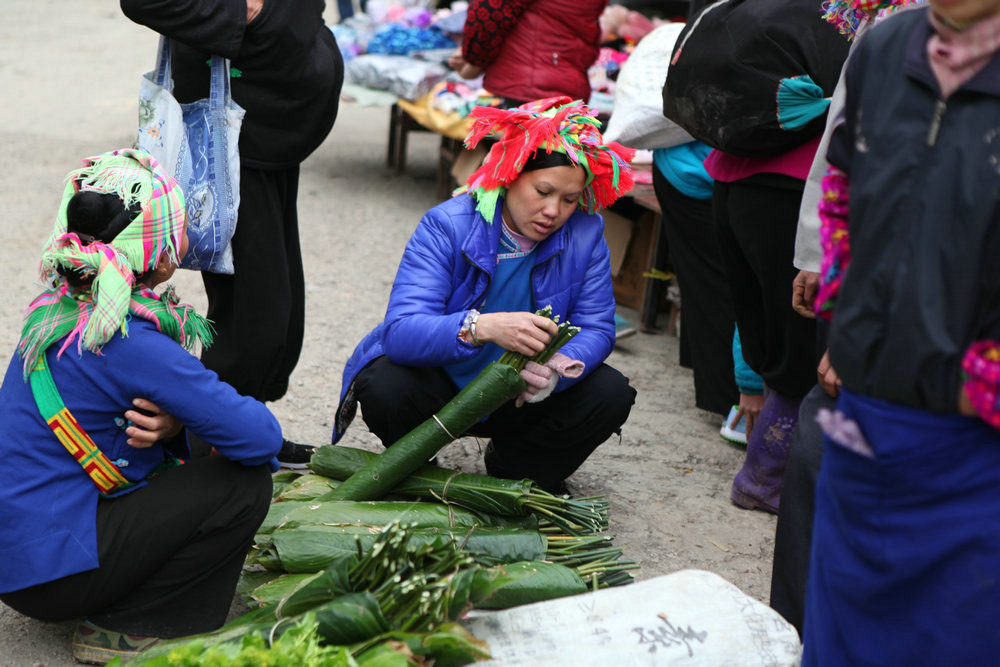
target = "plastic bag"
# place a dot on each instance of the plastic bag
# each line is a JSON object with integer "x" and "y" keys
{"x": 637, "y": 120}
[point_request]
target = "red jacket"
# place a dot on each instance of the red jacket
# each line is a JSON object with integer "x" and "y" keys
{"x": 546, "y": 50}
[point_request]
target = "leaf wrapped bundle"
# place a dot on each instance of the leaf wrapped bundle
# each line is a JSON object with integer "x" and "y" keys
{"x": 533, "y": 582}
{"x": 307, "y": 487}
{"x": 312, "y": 548}
{"x": 382, "y": 513}
{"x": 480, "y": 493}
{"x": 495, "y": 385}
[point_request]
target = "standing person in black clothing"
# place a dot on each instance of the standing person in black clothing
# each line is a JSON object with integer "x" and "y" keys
{"x": 287, "y": 74}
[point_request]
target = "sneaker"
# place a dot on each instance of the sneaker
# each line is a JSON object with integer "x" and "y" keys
{"x": 623, "y": 328}
{"x": 97, "y": 646}
{"x": 294, "y": 456}
{"x": 738, "y": 434}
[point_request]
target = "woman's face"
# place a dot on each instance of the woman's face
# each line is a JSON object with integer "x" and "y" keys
{"x": 539, "y": 202}
{"x": 963, "y": 13}
{"x": 165, "y": 268}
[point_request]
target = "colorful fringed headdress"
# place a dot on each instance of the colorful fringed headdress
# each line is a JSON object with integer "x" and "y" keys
{"x": 849, "y": 15}
{"x": 92, "y": 314}
{"x": 553, "y": 124}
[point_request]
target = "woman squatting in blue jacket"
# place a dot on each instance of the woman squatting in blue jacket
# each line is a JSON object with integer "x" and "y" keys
{"x": 98, "y": 519}
{"x": 523, "y": 235}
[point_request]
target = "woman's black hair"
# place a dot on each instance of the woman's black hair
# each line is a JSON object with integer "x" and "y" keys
{"x": 543, "y": 160}
{"x": 96, "y": 216}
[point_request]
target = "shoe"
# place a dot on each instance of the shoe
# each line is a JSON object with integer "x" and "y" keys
{"x": 97, "y": 646}
{"x": 294, "y": 456}
{"x": 623, "y": 328}
{"x": 757, "y": 486}
{"x": 738, "y": 434}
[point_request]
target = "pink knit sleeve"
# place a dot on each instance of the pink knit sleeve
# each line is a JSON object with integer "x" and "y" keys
{"x": 834, "y": 237}
{"x": 981, "y": 365}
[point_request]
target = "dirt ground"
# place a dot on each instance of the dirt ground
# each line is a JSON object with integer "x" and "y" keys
{"x": 70, "y": 74}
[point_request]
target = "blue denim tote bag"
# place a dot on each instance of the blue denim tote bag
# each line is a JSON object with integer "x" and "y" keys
{"x": 198, "y": 144}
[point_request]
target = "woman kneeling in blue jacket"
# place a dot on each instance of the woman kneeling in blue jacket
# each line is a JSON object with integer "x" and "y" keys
{"x": 523, "y": 235}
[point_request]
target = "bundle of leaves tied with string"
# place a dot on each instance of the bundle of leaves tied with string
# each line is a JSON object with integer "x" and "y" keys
{"x": 393, "y": 601}
{"x": 479, "y": 493}
{"x": 498, "y": 383}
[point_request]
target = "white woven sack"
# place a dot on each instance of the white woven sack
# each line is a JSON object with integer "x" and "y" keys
{"x": 691, "y": 618}
{"x": 637, "y": 120}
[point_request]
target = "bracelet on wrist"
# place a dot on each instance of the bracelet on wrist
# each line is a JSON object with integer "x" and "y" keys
{"x": 472, "y": 330}
{"x": 468, "y": 331}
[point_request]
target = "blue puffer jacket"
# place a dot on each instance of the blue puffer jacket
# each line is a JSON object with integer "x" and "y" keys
{"x": 445, "y": 271}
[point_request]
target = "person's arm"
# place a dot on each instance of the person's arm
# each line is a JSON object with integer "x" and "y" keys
{"x": 592, "y": 309}
{"x": 750, "y": 386}
{"x": 177, "y": 383}
{"x": 213, "y": 26}
{"x": 487, "y": 24}
{"x": 418, "y": 329}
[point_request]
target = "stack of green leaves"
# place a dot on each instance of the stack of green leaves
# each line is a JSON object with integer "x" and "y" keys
{"x": 480, "y": 493}
{"x": 388, "y": 592}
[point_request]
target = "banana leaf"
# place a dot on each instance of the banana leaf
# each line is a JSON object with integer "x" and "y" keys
{"x": 533, "y": 582}
{"x": 479, "y": 493}
{"x": 312, "y": 548}
{"x": 382, "y": 513}
{"x": 281, "y": 480}
{"x": 277, "y": 589}
{"x": 449, "y": 645}
{"x": 350, "y": 618}
{"x": 494, "y": 386}
{"x": 276, "y": 514}
{"x": 475, "y": 492}
{"x": 307, "y": 487}
{"x": 332, "y": 582}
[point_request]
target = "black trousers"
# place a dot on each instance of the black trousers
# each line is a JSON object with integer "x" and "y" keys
{"x": 793, "y": 534}
{"x": 259, "y": 311}
{"x": 170, "y": 554}
{"x": 708, "y": 319}
{"x": 755, "y": 221}
{"x": 545, "y": 441}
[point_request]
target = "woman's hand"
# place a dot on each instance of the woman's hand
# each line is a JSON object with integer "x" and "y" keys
{"x": 965, "y": 406}
{"x": 804, "y": 289}
{"x": 146, "y": 430}
{"x": 750, "y": 406}
{"x": 466, "y": 70}
{"x": 253, "y": 8}
{"x": 524, "y": 333}
{"x": 827, "y": 377}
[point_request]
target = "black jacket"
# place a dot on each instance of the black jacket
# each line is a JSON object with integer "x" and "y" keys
{"x": 287, "y": 73}
{"x": 924, "y": 278}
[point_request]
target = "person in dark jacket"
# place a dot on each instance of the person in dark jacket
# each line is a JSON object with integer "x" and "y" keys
{"x": 98, "y": 519}
{"x": 471, "y": 276}
{"x": 290, "y": 73}
{"x": 905, "y": 565}
{"x": 531, "y": 49}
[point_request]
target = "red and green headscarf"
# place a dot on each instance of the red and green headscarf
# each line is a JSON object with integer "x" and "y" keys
{"x": 93, "y": 314}
{"x": 553, "y": 124}
{"x": 849, "y": 15}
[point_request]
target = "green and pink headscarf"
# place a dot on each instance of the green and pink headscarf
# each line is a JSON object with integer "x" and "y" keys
{"x": 553, "y": 124}
{"x": 92, "y": 315}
